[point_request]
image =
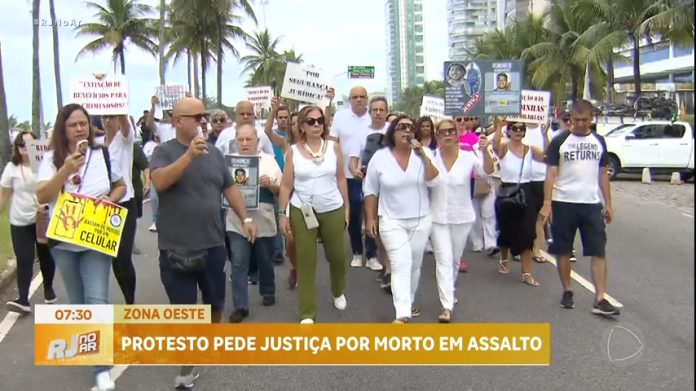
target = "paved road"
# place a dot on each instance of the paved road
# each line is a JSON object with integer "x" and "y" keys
{"x": 651, "y": 273}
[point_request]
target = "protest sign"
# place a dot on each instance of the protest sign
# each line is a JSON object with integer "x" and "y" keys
{"x": 102, "y": 95}
{"x": 260, "y": 96}
{"x": 36, "y": 150}
{"x": 476, "y": 88}
{"x": 245, "y": 172}
{"x": 535, "y": 107}
{"x": 305, "y": 83}
{"x": 433, "y": 107}
{"x": 78, "y": 219}
{"x": 170, "y": 94}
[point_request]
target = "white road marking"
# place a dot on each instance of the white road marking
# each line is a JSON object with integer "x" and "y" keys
{"x": 582, "y": 281}
{"x": 12, "y": 317}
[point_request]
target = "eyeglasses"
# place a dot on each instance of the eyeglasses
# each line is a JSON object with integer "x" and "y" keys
{"x": 314, "y": 121}
{"x": 463, "y": 119}
{"x": 405, "y": 127}
{"x": 21, "y": 144}
{"x": 446, "y": 132}
{"x": 197, "y": 117}
{"x": 219, "y": 120}
{"x": 518, "y": 128}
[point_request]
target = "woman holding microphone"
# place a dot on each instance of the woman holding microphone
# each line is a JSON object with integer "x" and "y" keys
{"x": 398, "y": 178}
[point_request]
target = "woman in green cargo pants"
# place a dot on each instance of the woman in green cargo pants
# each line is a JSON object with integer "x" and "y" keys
{"x": 314, "y": 175}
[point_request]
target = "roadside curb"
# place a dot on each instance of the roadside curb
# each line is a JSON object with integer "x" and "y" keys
{"x": 8, "y": 275}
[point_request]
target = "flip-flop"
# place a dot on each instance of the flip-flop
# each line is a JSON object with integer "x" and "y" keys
{"x": 539, "y": 259}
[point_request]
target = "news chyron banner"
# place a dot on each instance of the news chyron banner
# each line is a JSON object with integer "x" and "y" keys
{"x": 168, "y": 334}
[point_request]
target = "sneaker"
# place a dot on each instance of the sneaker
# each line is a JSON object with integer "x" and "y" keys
{"x": 253, "y": 281}
{"x": 463, "y": 266}
{"x": 103, "y": 381}
{"x": 386, "y": 282}
{"x": 357, "y": 261}
{"x": 400, "y": 321}
{"x": 268, "y": 301}
{"x": 604, "y": 308}
{"x": 415, "y": 312}
{"x": 49, "y": 296}
{"x": 307, "y": 321}
{"x": 153, "y": 228}
{"x": 572, "y": 257}
{"x": 340, "y": 302}
{"x": 238, "y": 316}
{"x": 19, "y": 307}
{"x": 477, "y": 249}
{"x": 373, "y": 264}
{"x": 186, "y": 382}
{"x": 567, "y": 300}
{"x": 292, "y": 279}
{"x": 493, "y": 251}
{"x": 445, "y": 316}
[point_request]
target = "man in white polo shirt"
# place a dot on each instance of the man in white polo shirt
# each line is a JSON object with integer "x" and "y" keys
{"x": 349, "y": 125}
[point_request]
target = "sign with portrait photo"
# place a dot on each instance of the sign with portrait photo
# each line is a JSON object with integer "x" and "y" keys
{"x": 245, "y": 173}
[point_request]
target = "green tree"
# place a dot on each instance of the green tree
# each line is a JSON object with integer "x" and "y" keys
{"x": 162, "y": 41}
{"x": 36, "y": 70}
{"x": 265, "y": 63}
{"x": 56, "y": 54}
{"x": 412, "y": 97}
{"x": 119, "y": 23}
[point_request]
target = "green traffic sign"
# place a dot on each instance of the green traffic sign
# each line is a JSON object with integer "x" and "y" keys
{"x": 361, "y": 72}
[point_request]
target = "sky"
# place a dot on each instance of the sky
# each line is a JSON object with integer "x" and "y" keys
{"x": 330, "y": 34}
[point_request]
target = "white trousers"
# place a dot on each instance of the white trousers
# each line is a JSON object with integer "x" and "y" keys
{"x": 448, "y": 244}
{"x": 484, "y": 233}
{"x": 404, "y": 240}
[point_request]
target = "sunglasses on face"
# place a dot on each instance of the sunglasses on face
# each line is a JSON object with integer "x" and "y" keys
{"x": 314, "y": 121}
{"x": 447, "y": 132}
{"x": 197, "y": 117}
{"x": 404, "y": 127}
{"x": 566, "y": 119}
{"x": 518, "y": 128}
{"x": 219, "y": 120}
{"x": 21, "y": 144}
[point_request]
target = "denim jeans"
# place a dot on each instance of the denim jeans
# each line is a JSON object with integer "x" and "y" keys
{"x": 154, "y": 204}
{"x": 242, "y": 253}
{"x": 355, "y": 224}
{"x": 86, "y": 278}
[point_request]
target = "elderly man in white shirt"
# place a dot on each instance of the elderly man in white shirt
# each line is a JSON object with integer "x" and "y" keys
{"x": 348, "y": 126}
{"x": 244, "y": 115}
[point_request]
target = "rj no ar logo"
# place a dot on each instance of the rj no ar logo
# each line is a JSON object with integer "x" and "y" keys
{"x": 87, "y": 343}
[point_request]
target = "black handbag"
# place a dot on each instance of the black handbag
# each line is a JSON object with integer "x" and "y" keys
{"x": 513, "y": 197}
{"x": 187, "y": 262}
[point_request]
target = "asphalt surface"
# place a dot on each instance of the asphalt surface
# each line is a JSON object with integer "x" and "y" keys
{"x": 650, "y": 346}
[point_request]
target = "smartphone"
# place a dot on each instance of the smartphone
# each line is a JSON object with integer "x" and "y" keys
{"x": 82, "y": 147}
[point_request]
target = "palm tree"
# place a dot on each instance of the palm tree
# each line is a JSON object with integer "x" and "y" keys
{"x": 161, "y": 27}
{"x": 119, "y": 22}
{"x": 265, "y": 62}
{"x": 5, "y": 143}
{"x": 674, "y": 21}
{"x": 36, "y": 71}
{"x": 56, "y": 54}
{"x": 412, "y": 97}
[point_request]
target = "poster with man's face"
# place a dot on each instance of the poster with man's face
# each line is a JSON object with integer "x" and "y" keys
{"x": 477, "y": 88}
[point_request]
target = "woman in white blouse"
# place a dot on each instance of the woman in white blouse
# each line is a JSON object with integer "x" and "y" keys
{"x": 314, "y": 185}
{"x": 398, "y": 178}
{"x": 451, "y": 210}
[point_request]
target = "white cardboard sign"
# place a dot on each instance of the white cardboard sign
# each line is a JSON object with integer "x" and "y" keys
{"x": 37, "y": 149}
{"x": 106, "y": 96}
{"x": 168, "y": 95}
{"x": 534, "y": 108}
{"x": 260, "y": 95}
{"x": 433, "y": 107}
{"x": 305, "y": 83}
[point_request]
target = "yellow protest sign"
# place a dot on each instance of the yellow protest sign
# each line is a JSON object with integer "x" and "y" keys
{"x": 79, "y": 220}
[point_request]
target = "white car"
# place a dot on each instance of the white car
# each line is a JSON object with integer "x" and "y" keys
{"x": 662, "y": 146}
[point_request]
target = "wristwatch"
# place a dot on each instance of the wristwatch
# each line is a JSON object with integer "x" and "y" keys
{"x": 248, "y": 220}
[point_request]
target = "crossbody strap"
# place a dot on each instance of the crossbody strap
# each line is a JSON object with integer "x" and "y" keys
{"x": 524, "y": 157}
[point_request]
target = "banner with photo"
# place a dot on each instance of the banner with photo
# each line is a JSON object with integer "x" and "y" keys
{"x": 477, "y": 88}
{"x": 245, "y": 172}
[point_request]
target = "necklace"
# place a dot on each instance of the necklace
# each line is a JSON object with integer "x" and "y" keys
{"x": 317, "y": 157}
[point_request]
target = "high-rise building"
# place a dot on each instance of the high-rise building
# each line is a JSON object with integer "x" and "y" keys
{"x": 511, "y": 10}
{"x": 405, "y": 41}
{"x": 468, "y": 20}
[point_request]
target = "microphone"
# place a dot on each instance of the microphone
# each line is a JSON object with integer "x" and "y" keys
{"x": 409, "y": 138}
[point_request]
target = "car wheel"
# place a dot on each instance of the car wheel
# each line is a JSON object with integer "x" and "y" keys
{"x": 613, "y": 167}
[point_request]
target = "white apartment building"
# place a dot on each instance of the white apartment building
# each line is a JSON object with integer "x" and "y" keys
{"x": 468, "y": 20}
{"x": 511, "y": 10}
{"x": 405, "y": 30}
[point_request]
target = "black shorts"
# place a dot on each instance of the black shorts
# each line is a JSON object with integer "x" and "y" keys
{"x": 537, "y": 196}
{"x": 567, "y": 218}
{"x": 139, "y": 205}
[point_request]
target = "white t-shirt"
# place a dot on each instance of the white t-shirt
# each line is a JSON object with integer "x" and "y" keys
{"x": 316, "y": 184}
{"x": 121, "y": 153}
{"x": 402, "y": 194}
{"x": 347, "y": 127}
{"x": 358, "y": 144}
{"x": 149, "y": 149}
{"x": 226, "y": 140}
{"x": 450, "y": 200}
{"x": 535, "y": 137}
{"x": 95, "y": 180}
{"x": 579, "y": 159}
{"x": 165, "y": 131}
{"x": 22, "y": 181}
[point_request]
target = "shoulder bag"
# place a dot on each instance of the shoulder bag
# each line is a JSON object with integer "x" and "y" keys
{"x": 514, "y": 197}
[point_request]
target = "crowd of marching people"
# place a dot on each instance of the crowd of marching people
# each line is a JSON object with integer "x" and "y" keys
{"x": 400, "y": 186}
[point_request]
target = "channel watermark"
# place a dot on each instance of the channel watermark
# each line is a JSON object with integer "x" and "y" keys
{"x": 43, "y": 22}
{"x": 623, "y": 344}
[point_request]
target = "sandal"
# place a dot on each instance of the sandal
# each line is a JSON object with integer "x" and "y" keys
{"x": 445, "y": 316}
{"x": 400, "y": 321}
{"x": 504, "y": 266}
{"x": 528, "y": 279}
{"x": 539, "y": 259}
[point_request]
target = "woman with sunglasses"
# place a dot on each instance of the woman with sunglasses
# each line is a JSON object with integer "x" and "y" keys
{"x": 66, "y": 168}
{"x": 18, "y": 184}
{"x": 452, "y": 211}
{"x": 314, "y": 187}
{"x": 517, "y": 225}
{"x": 424, "y": 132}
{"x": 397, "y": 179}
